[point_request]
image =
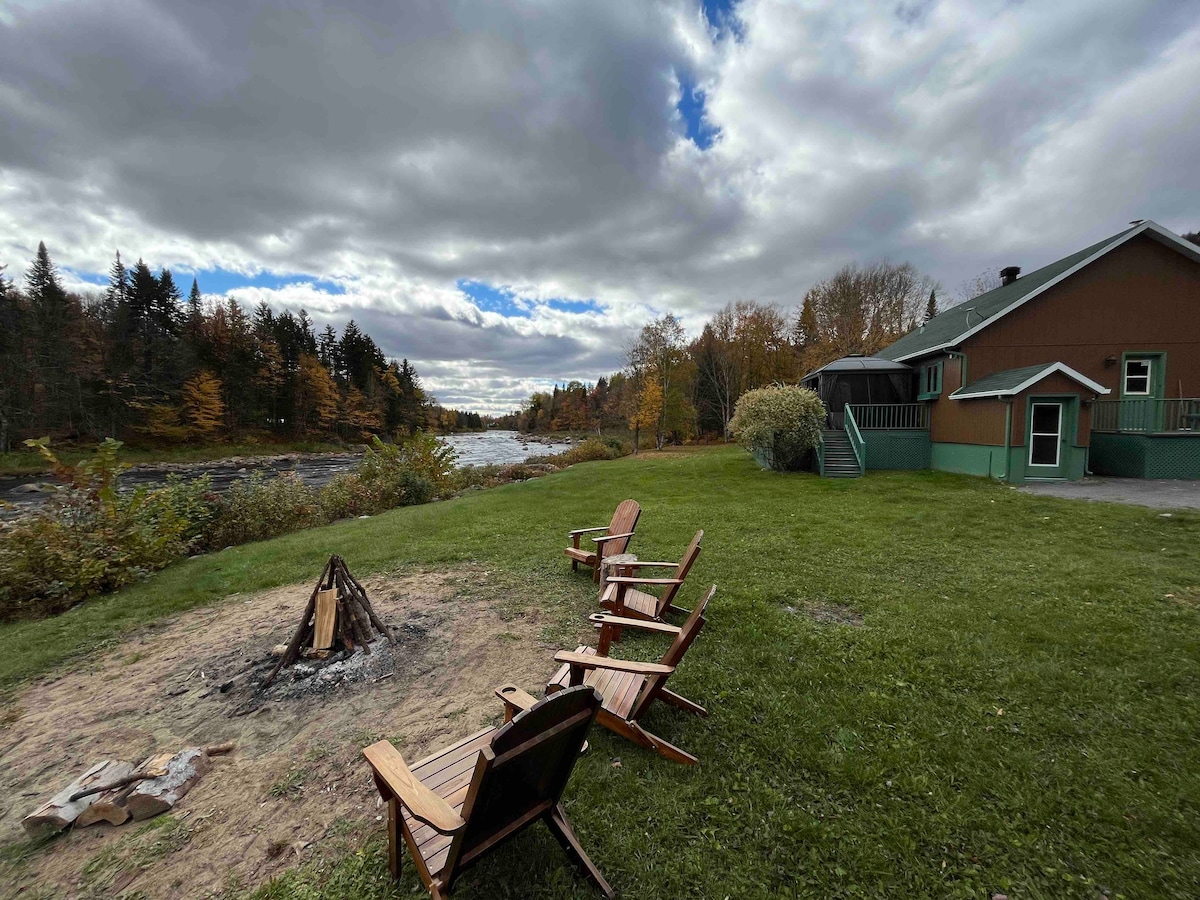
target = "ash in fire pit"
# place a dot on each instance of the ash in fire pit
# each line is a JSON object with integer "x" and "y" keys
{"x": 338, "y": 621}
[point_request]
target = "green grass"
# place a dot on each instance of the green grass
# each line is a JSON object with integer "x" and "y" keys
{"x": 28, "y": 462}
{"x": 1017, "y": 713}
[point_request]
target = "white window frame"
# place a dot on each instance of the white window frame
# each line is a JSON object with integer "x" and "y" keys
{"x": 1056, "y": 435}
{"x": 1149, "y": 376}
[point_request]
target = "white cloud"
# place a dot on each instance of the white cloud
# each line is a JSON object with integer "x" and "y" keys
{"x": 395, "y": 149}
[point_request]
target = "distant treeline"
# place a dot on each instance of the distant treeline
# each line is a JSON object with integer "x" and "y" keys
{"x": 679, "y": 390}
{"x": 140, "y": 363}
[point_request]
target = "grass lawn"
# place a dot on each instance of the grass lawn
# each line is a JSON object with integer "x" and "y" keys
{"x": 1018, "y": 712}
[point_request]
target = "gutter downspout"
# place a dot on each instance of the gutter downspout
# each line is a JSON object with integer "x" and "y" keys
{"x": 1007, "y": 435}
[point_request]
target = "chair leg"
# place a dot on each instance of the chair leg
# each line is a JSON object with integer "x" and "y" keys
{"x": 664, "y": 748}
{"x": 395, "y": 851}
{"x": 682, "y": 702}
{"x": 556, "y": 821}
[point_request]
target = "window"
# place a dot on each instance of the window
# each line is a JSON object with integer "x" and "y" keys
{"x": 1045, "y": 431}
{"x": 1137, "y": 377}
{"x": 930, "y": 385}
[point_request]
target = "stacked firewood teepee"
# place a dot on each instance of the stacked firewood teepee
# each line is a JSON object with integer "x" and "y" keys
{"x": 339, "y": 616}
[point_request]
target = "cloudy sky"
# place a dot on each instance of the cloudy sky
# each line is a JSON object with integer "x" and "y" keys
{"x": 504, "y": 191}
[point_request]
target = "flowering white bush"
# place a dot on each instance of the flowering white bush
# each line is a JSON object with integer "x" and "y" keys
{"x": 780, "y": 423}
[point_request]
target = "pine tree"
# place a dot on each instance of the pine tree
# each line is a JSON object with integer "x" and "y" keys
{"x": 168, "y": 313}
{"x": 195, "y": 315}
{"x": 931, "y": 309}
{"x": 308, "y": 337}
{"x": 116, "y": 295}
{"x": 327, "y": 349}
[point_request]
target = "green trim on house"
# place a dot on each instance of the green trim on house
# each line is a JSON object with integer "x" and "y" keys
{"x": 1158, "y": 374}
{"x": 897, "y": 449}
{"x": 1146, "y": 455}
{"x": 989, "y": 461}
{"x": 930, "y": 376}
{"x": 1073, "y": 467}
{"x": 967, "y": 459}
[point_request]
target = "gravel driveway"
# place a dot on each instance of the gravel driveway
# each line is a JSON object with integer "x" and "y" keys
{"x": 1157, "y": 493}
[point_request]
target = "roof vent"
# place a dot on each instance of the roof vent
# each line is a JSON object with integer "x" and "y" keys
{"x": 1009, "y": 274}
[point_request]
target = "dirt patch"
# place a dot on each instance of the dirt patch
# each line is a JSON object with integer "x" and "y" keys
{"x": 830, "y": 613}
{"x": 295, "y": 785}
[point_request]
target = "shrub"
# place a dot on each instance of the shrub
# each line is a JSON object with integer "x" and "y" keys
{"x": 780, "y": 424}
{"x": 257, "y": 508}
{"x": 585, "y": 451}
{"x": 90, "y": 539}
{"x": 422, "y": 454}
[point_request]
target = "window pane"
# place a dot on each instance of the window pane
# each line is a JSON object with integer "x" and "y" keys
{"x": 1137, "y": 385}
{"x": 1137, "y": 367}
{"x": 1045, "y": 419}
{"x": 1043, "y": 450}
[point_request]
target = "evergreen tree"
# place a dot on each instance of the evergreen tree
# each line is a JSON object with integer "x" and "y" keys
{"x": 931, "y": 309}
{"x": 327, "y": 349}
{"x": 168, "y": 313}
{"x": 195, "y": 315}
{"x": 117, "y": 294}
{"x": 308, "y": 337}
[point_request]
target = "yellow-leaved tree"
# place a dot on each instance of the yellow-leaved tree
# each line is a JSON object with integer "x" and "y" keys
{"x": 203, "y": 408}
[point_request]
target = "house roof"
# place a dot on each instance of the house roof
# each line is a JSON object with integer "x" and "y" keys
{"x": 860, "y": 364}
{"x": 1012, "y": 381}
{"x": 950, "y": 328}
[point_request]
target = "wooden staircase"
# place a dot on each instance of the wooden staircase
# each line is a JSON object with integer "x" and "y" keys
{"x": 840, "y": 461}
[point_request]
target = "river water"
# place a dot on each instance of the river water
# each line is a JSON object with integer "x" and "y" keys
{"x": 484, "y": 448}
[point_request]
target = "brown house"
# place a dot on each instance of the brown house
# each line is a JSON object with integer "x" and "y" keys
{"x": 1089, "y": 364}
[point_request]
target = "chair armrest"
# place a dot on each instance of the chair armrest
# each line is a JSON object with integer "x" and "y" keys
{"x": 586, "y": 530}
{"x": 420, "y": 801}
{"x": 515, "y": 700}
{"x": 612, "y": 537}
{"x": 639, "y": 564}
{"x": 587, "y": 661}
{"x": 622, "y": 579}
{"x": 602, "y": 619}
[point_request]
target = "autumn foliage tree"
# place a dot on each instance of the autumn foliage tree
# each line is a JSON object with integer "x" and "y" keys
{"x": 202, "y": 405}
{"x": 140, "y": 361}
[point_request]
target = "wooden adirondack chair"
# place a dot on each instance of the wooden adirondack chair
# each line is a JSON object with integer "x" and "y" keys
{"x": 630, "y": 687}
{"x": 453, "y": 807}
{"x": 620, "y": 596}
{"x": 614, "y": 540}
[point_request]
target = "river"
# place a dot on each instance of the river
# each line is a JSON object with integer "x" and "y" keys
{"x": 22, "y": 492}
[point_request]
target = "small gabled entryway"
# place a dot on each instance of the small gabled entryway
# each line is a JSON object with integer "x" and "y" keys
{"x": 840, "y": 461}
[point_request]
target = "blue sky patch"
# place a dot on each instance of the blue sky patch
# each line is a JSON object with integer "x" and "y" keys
{"x": 691, "y": 107}
{"x": 721, "y": 16}
{"x": 505, "y": 301}
{"x": 497, "y": 300}
{"x": 221, "y": 281}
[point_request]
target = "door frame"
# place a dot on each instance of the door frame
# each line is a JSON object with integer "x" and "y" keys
{"x": 1068, "y": 429}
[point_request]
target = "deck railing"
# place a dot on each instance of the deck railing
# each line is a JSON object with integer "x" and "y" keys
{"x": 1147, "y": 416}
{"x": 890, "y": 416}
{"x": 856, "y": 441}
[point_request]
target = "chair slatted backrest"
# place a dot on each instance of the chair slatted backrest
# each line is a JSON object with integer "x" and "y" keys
{"x": 524, "y": 771}
{"x": 681, "y": 572}
{"x": 624, "y": 520}
{"x": 687, "y": 634}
